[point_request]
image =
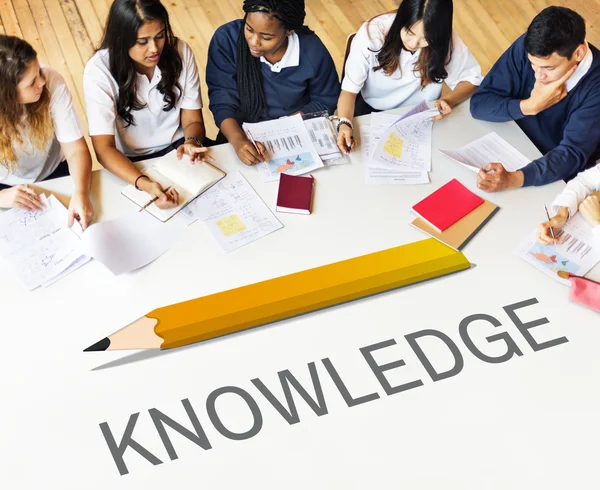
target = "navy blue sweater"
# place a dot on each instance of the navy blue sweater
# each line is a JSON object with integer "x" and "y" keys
{"x": 311, "y": 86}
{"x": 568, "y": 133}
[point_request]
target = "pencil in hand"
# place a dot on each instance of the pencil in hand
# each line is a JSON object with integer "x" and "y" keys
{"x": 154, "y": 199}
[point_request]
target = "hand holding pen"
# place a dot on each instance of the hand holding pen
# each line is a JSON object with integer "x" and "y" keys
{"x": 546, "y": 231}
{"x": 164, "y": 199}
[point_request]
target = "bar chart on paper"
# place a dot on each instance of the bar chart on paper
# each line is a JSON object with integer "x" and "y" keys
{"x": 573, "y": 252}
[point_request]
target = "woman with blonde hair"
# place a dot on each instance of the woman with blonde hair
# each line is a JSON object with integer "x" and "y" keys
{"x": 40, "y": 135}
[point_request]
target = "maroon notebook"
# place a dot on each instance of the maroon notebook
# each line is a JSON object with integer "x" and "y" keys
{"x": 295, "y": 194}
{"x": 444, "y": 207}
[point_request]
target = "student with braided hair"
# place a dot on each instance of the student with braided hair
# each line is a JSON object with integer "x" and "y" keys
{"x": 265, "y": 66}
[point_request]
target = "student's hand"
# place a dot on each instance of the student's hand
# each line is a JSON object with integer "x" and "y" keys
{"x": 346, "y": 142}
{"x": 495, "y": 177}
{"x": 444, "y": 108}
{"x": 195, "y": 152}
{"x": 590, "y": 210}
{"x": 247, "y": 153}
{"x": 80, "y": 209}
{"x": 545, "y": 95}
{"x": 21, "y": 196}
{"x": 544, "y": 235}
{"x": 165, "y": 200}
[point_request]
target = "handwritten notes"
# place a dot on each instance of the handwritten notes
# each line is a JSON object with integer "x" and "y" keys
{"x": 233, "y": 213}
{"x": 37, "y": 246}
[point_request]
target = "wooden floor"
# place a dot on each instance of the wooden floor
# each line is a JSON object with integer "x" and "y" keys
{"x": 66, "y": 32}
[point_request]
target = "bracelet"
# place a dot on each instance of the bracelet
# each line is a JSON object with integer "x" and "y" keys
{"x": 136, "y": 181}
{"x": 344, "y": 121}
{"x": 195, "y": 140}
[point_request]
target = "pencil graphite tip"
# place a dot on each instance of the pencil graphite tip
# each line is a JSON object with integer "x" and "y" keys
{"x": 102, "y": 345}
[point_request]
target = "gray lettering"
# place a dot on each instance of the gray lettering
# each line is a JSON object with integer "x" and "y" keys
{"x": 198, "y": 437}
{"x": 216, "y": 421}
{"x": 511, "y": 347}
{"x": 350, "y": 401}
{"x": 524, "y": 327}
{"x": 458, "y": 358}
{"x": 117, "y": 451}
{"x": 378, "y": 370}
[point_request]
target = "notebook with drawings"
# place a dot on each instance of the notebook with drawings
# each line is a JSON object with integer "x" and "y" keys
{"x": 189, "y": 180}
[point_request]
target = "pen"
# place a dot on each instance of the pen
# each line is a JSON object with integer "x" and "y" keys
{"x": 253, "y": 142}
{"x": 154, "y": 199}
{"x": 551, "y": 230}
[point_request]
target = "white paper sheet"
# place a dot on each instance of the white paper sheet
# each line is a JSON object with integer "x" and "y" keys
{"x": 289, "y": 147}
{"x": 128, "y": 242}
{"x": 323, "y": 136}
{"x": 573, "y": 253}
{"x": 370, "y": 136}
{"x": 406, "y": 144}
{"x": 487, "y": 149}
{"x": 233, "y": 213}
{"x": 37, "y": 245}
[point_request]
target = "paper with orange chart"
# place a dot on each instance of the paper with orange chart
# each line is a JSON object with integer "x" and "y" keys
{"x": 233, "y": 213}
{"x": 574, "y": 252}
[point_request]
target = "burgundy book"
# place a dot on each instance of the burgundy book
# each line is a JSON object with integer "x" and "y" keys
{"x": 295, "y": 194}
{"x": 444, "y": 207}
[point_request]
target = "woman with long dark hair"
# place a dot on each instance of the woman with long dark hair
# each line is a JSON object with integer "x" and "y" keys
{"x": 264, "y": 66}
{"x": 403, "y": 58}
{"x": 40, "y": 135}
{"x": 142, "y": 95}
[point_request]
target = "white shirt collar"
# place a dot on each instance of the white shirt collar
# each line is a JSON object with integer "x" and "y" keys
{"x": 290, "y": 58}
{"x": 582, "y": 69}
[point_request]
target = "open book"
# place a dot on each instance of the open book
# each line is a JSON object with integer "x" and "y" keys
{"x": 189, "y": 180}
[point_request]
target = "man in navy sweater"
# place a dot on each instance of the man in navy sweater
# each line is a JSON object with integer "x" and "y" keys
{"x": 548, "y": 81}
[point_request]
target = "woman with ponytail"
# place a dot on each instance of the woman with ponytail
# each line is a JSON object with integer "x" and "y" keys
{"x": 265, "y": 66}
{"x": 40, "y": 135}
{"x": 403, "y": 58}
{"x": 142, "y": 95}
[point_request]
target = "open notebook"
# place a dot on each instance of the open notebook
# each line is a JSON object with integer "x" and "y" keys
{"x": 188, "y": 180}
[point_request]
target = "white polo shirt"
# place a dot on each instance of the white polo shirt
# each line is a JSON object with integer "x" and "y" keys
{"x": 403, "y": 87}
{"x": 153, "y": 128}
{"x": 35, "y": 164}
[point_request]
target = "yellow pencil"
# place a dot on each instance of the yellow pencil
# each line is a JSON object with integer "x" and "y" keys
{"x": 283, "y": 297}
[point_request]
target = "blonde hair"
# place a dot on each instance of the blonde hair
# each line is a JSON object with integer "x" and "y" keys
{"x": 15, "y": 57}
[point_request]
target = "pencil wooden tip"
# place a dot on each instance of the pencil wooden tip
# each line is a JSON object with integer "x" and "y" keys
{"x": 563, "y": 274}
{"x": 100, "y": 346}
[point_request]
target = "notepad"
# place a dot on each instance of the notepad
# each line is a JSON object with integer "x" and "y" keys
{"x": 444, "y": 207}
{"x": 461, "y": 232}
{"x": 295, "y": 194}
{"x": 189, "y": 180}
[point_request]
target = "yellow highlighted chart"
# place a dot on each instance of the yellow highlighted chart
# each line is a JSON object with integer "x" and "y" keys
{"x": 283, "y": 297}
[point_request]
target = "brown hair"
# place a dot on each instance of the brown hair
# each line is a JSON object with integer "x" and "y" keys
{"x": 15, "y": 57}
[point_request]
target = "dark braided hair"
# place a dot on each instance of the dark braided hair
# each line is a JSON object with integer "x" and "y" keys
{"x": 249, "y": 72}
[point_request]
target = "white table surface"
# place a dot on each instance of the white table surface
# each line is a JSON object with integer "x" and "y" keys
{"x": 530, "y": 422}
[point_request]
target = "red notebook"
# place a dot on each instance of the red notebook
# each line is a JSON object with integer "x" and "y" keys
{"x": 295, "y": 194}
{"x": 444, "y": 207}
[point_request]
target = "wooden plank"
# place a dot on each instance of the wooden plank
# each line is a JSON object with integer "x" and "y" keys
{"x": 28, "y": 29}
{"x": 78, "y": 30}
{"x": 9, "y": 19}
{"x": 92, "y": 21}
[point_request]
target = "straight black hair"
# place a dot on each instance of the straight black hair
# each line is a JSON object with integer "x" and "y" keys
{"x": 437, "y": 25}
{"x": 120, "y": 34}
{"x": 555, "y": 30}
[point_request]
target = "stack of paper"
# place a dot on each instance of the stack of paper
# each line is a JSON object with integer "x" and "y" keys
{"x": 288, "y": 145}
{"x": 40, "y": 249}
{"x": 488, "y": 149}
{"x": 398, "y": 149}
{"x": 233, "y": 213}
{"x": 322, "y": 135}
{"x": 574, "y": 252}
